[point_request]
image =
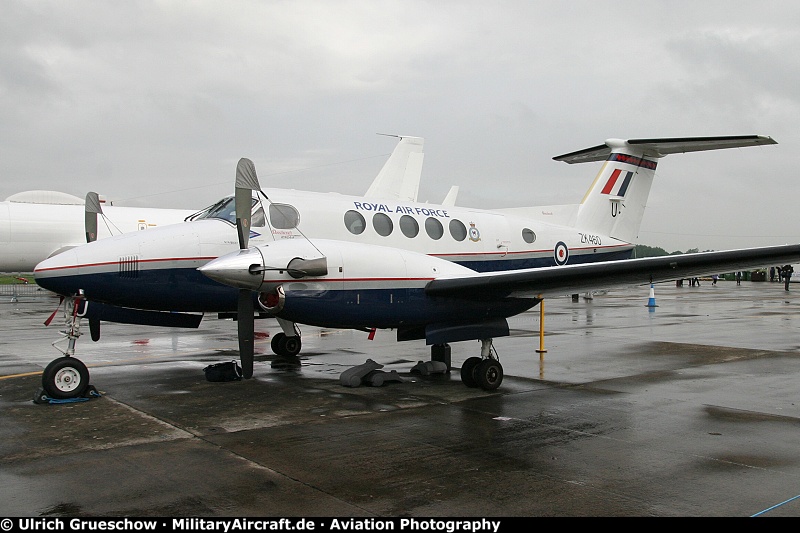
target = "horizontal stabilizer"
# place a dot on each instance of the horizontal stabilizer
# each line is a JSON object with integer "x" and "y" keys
{"x": 665, "y": 146}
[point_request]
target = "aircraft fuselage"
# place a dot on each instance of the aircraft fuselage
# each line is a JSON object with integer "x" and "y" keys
{"x": 157, "y": 269}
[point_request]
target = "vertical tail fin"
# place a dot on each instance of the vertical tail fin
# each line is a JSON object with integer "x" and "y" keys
{"x": 452, "y": 194}
{"x": 399, "y": 178}
{"x": 615, "y": 202}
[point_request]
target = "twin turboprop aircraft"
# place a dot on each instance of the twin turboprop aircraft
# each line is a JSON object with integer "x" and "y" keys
{"x": 441, "y": 273}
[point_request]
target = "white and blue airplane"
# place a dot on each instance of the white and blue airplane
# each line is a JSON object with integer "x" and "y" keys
{"x": 438, "y": 273}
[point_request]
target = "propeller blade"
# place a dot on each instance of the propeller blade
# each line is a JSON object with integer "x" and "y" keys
{"x": 92, "y": 209}
{"x": 246, "y": 183}
{"x": 243, "y": 197}
{"x": 246, "y": 324}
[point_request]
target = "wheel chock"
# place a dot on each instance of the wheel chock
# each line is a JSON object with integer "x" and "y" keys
{"x": 427, "y": 368}
{"x": 42, "y": 398}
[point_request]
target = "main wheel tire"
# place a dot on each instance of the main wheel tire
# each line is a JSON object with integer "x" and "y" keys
{"x": 489, "y": 374}
{"x": 276, "y": 342}
{"x": 291, "y": 345}
{"x": 468, "y": 371}
{"x": 65, "y": 377}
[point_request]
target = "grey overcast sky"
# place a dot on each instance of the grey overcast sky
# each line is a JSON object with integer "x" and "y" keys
{"x": 153, "y": 102}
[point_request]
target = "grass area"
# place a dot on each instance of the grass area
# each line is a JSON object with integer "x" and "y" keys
{"x": 10, "y": 279}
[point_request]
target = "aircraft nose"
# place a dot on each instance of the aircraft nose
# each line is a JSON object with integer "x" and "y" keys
{"x": 58, "y": 273}
{"x": 240, "y": 269}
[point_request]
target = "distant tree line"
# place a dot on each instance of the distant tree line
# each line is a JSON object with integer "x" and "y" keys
{"x": 655, "y": 251}
{"x": 759, "y": 274}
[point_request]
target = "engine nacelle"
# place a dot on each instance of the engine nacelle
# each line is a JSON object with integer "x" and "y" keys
{"x": 327, "y": 263}
{"x": 272, "y": 301}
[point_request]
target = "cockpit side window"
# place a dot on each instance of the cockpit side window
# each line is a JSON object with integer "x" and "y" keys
{"x": 258, "y": 220}
{"x": 225, "y": 209}
{"x": 283, "y": 216}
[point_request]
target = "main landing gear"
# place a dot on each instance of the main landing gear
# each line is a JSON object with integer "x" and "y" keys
{"x": 485, "y": 371}
{"x": 282, "y": 344}
{"x": 287, "y": 343}
{"x": 67, "y": 377}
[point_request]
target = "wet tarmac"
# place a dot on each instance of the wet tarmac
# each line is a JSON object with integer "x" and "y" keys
{"x": 689, "y": 408}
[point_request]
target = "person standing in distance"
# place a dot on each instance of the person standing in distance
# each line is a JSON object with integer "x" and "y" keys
{"x": 786, "y": 273}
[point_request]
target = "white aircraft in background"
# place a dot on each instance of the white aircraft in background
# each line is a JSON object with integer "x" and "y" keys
{"x": 35, "y": 225}
{"x": 435, "y": 272}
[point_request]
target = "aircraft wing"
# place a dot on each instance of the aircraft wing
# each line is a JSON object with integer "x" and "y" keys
{"x": 660, "y": 147}
{"x": 571, "y": 279}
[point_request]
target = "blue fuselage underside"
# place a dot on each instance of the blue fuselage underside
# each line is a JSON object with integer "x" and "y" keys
{"x": 188, "y": 290}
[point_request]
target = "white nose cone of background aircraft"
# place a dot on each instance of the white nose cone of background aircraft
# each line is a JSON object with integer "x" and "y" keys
{"x": 35, "y": 225}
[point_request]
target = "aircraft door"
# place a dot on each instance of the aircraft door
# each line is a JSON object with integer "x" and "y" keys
{"x": 490, "y": 232}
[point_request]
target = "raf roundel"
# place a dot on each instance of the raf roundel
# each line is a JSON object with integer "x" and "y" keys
{"x": 561, "y": 253}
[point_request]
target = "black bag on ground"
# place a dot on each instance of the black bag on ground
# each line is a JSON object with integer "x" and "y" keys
{"x": 228, "y": 371}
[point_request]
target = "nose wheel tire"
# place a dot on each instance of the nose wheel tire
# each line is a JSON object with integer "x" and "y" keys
{"x": 65, "y": 377}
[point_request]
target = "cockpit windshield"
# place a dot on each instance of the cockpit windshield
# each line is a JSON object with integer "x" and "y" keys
{"x": 225, "y": 209}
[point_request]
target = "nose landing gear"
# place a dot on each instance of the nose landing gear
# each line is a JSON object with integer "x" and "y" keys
{"x": 67, "y": 377}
